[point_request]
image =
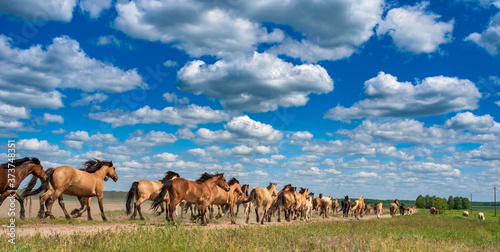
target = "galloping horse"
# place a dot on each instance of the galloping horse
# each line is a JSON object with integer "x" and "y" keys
{"x": 317, "y": 203}
{"x": 326, "y": 203}
{"x": 222, "y": 197}
{"x": 285, "y": 202}
{"x": 147, "y": 190}
{"x": 378, "y": 210}
{"x": 86, "y": 183}
{"x": 393, "y": 207}
{"x": 198, "y": 192}
{"x": 402, "y": 209}
{"x": 359, "y": 207}
{"x": 241, "y": 198}
{"x": 346, "y": 206}
{"x": 309, "y": 206}
{"x": 13, "y": 173}
{"x": 433, "y": 211}
{"x": 261, "y": 197}
{"x": 368, "y": 208}
{"x": 335, "y": 206}
{"x": 300, "y": 202}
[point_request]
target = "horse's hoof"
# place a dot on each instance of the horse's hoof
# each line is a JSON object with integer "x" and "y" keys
{"x": 52, "y": 217}
{"x": 68, "y": 218}
{"x": 142, "y": 218}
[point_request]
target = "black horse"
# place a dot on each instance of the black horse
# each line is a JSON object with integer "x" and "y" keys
{"x": 346, "y": 206}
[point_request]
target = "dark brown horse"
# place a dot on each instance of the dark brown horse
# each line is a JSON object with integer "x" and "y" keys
{"x": 198, "y": 192}
{"x": 13, "y": 173}
{"x": 144, "y": 190}
{"x": 244, "y": 189}
{"x": 346, "y": 206}
{"x": 285, "y": 202}
{"x": 402, "y": 209}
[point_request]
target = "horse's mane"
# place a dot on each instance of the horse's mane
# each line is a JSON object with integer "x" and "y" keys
{"x": 320, "y": 195}
{"x": 169, "y": 175}
{"x": 233, "y": 181}
{"x": 302, "y": 190}
{"x": 396, "y": 201}
{"x": 21, "y": 161}
{"x": 92, "y": 166}
{"x": 205, "y": 176}
{"x": 245, "y": 187}
{"x": 270, "y": 185}
{"x": 284, "y": 187}
{"x": 311, "y": 194}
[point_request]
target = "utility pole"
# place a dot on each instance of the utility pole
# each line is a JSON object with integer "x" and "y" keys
{"x": 495, "y": 192}
{"x": 471, "y": 204}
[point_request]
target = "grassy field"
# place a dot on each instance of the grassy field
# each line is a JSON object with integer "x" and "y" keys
{"x": 420, "y": 232}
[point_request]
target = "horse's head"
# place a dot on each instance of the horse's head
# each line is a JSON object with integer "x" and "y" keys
{"x": 111, "y": 172}
{"x": 245, "y": 189}
{"x": 235, "y": 184}
{"x": 37, "y": 168}
{"x": 272, "y": 189}
{"x": 222, "y": 183}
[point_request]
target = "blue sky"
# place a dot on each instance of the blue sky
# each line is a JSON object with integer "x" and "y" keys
{"x": 386, "y": 99}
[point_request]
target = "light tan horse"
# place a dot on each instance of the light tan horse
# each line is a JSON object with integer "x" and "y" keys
{"x": 393, "y": 207}
{"x": 13, "y": 173}
{"x": 222, "y": 197}
{"x": 300, "y": 202}
{"x": 326, "y": 203}
{"x": 317, "y": 203}
{"x": 368, "y": 208}
{"x": 70, "y": 181}
{"x": 359, "y": 207}
{"x": 411, "y": 210}
{"x": 198, "y": 192}
{"x": 147, "y": 190}
{"x": 285, "y": 202}
{"x": 378, "y": 209}
{"x": 261, "y": 197}
{"x": 309, "y": 206}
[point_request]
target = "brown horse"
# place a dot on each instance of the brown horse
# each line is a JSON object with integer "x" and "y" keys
{"x": 335, "y": 206}
{"x": 359, "y": 207}
{"x": 378, "y": 209}
{"x": 245, "y": 189}
{"x": 222, "y": 197}
{"x": 86, "y": 183}
{"x": 402, "y": 209}
{"x": 198, "y": 192}
{"x": 368, "y": 208}
{"x": 13, "y": 173}
{"x": 300, "y": 202}
{"x": 317, "y": 203}
{"x": 433, "y": 211}
{"x": 393, "y": 207}
{"x": 147, "y": 190}
{"x": 285, "y": 202}
{"x": 261, "y": 197}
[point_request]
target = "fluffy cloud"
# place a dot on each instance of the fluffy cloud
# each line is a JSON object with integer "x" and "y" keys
{"x": 94, "y": 7}
{"x": 53, "y": 118}
{"x": 189, "y": 116}
{"x": 39, "y": 148}
{"x": 87, "y": 99}
{"x": 386, "y": 97}
{"x": 150, "y": 139}
{"x": 237, "y": 151}
{"x": 172, "y": 97}
{"x": 346, "y": 147}
{"x": 30, "y": 77}
{"x": 241, "y": 130}
{"x": 58, "y": 10}
{"x": 415, "y": 30}
{"x": 257, "y": 83}
{"x": 10, "y": 115}
{"x": 489, "y": 39}
{"x": 193, "y": 26}
{"x": 76, "y": 139}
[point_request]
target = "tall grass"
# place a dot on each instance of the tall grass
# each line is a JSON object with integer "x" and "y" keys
{"x": 420, "y": 232}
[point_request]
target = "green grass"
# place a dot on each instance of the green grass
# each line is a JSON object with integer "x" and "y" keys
{"x": 420, "y": 232}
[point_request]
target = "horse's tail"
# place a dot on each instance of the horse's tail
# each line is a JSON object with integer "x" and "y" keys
{"x": 43, "y": 187}
{"x": 279, "y": 201}
{"x": 251, "y": 197}
{"x": 130, "y": 195}
{"x": 159, "y": 199}
{"x": 30, "y": 186}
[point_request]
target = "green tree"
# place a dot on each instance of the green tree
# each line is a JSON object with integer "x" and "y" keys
{"x": 458, "y": 202}
{"x": 451, "y": 202}
{"x": 427, "y": 201}
{"x": 441, "y": 204}
{"x": 466, "y": 203}
{"x": 420, "y": 203}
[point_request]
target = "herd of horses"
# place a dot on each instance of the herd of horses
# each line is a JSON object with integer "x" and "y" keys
{"x": 206, "y": 193}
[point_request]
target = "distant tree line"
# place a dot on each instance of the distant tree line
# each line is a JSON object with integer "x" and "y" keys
{"x": 441, "y": 203}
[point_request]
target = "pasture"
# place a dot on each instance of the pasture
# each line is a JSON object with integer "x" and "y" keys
{"x": 420, "y": 232}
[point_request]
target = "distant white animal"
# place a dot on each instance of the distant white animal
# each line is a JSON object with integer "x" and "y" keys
{"x": 465, "y": 213}
{"x": 309, "y": 207}
{"x": 481, "y": 216}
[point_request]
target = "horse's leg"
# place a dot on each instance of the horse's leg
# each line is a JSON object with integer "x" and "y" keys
{"x": 60, "y": 199}
{"x": 89, "y": 216}
{"x": 257, "y": 211}
{"x": 231, "y": 212}
{"x": 249, "y": 207}
{"x": 43, "y": 200}
{"x": 137, "y": 207}
{"x": 101, "y": 207}
{"x": 50, "y": 202}
{"x": 21, "y": 202}
{"x": 171, "y": 207}
{"x": 140, "y": 212}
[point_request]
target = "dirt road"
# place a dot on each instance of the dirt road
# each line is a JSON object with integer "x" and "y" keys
{"x": 48, "y": 229}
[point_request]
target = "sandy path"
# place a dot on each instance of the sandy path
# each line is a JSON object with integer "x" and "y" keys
{"x": 47, "y": 229}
